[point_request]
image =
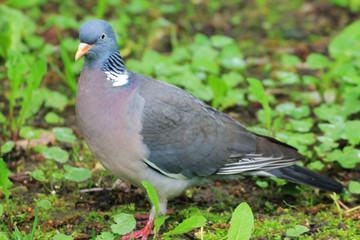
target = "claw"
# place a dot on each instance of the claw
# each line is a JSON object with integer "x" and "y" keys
{"x": 143, "y": 233}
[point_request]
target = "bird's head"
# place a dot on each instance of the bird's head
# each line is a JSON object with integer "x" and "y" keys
{"x": 97, "y": 42}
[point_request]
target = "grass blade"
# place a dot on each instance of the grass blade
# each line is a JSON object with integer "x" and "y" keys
{"x": 259, "y": 93}
{"x": 32, "y": 235}
{"x": 70, "y": 77}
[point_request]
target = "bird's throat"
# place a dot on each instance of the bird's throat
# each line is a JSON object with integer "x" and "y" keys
{"x": 114, "y": 68}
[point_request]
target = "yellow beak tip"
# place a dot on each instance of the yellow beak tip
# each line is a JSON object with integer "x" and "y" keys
{"x": 82, "y": 50}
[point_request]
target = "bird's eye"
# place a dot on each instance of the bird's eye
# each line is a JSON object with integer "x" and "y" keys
{"x": 103, "y": 36}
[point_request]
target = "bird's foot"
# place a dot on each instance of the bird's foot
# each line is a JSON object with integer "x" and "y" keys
{"x": 143, "y": 233}
{"x": 146, "y": 216}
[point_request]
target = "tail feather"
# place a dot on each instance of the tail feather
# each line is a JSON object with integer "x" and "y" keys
{"x": 307, "y": 177}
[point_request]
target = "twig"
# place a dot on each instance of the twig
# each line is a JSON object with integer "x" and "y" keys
{"x": 94, "y": 190}
{"x": 343, "y": 205}
{"x": 352, "y": 209}
{"x": 334, "y": 198}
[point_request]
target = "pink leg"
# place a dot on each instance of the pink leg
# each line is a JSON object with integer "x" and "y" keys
{"x": 144, "y": 233}
{"x": 142, "y": 216}
{"x": 146, "y": 216}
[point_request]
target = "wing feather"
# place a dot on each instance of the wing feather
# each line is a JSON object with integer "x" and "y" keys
{"x": 186, "y": 137}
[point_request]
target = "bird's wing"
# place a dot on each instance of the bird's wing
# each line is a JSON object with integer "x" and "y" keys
{"x": 270, "y": 154}
{"x": 187, "y": 138}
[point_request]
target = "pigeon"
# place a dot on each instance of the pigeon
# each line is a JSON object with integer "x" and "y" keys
{"x": 142, "y": 129}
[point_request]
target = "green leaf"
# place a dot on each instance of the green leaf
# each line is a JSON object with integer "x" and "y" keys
{"x": 347, "y": 43}
{"x": 231, "y": 58}
{"x": 54, "y": 99}
{"x": 57, "y": 154}
{"x": 317, "y": 61}
{"x": 285, "y": 108}
{"x": 300, "y": 112}
{"x": 7, "y": 147}
{"x": 105, "y": 236}
{"x": 5, "y": 183}
{"x": 1, "y": 210}
{"x": 17, "y": 66}
{"x": 35, "y": 103}
{"x": 149, "y": 61}
{"x": 37, "y": 71}
{"x": 303, "y": 125}
{"x": 38, "y": 175}
{"x": 35, "y": 42}
{"x": 3, "y": 119}
{"x": 345, "y": 71}
{"x": 354, "y": 187}
{"x": 29, "y": 133}
{"x": 201, "y": 40}
{"x": 152, "y": 195}
{"x": 331, "y": 112}
{"x": 334, "y": 131}
{"x": 52, "y": 118}
{"x": 297, "y": 112}
{"x": 188, "y": 225}
{"x": 159, "y": 222}
{"x": 308, "y": 80}
{"x": 232, "y": 79}
{"x": 58, "y": 175}
{"x": 77, "y": 174}
{"x": 296, "y": 231}
{"x": 101, "y": 9}
{"x": 45, "y": 204}
{"x": 352, "y": 132}
{"x": 24, "y": 4}
{"x": 316, "y": 166}
{"x": 202, "y": 91}
{"x": 137, "y": 6}
{"x": 39, "y": 148}
{"x": 220, "y": 41}
{"x": 259, "y": 93}
{"x": 155, "y": 202}
{"x": 327, "y": 144}
{"x": 3, "y": 236}
{"x": 257, "y": 89}
{"x": 69, "y": 77}
{"x": 64, "y": 135}
{"x": 125, "y": 223}
{"x": 205, "y": 60}
{"x": 202, "y": 63}
{"x": 219, "y": 88}
{"x": 348, "y": 158}
{"x": 242, "y": 223}
{"x": 232, "y": 98}
{"x": 262, "y": 184}
{"x": 12, "y": 29}
{"x": 288, "y": 78}
{"x": 63, "y": 237}
{"x": 180, "y": 54}
{"x": 288, "y": 60}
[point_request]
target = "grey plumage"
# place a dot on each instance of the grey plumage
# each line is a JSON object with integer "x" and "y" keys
{"x": 142, "y": 129}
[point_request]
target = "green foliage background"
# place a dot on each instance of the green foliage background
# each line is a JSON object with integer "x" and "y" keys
{"x": 288, "y": 69}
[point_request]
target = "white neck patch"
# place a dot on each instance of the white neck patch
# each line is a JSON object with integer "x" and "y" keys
{"x": 117, "y": 79}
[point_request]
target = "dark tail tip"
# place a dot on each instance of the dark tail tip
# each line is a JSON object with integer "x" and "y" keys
{"x": 307, "y": 177}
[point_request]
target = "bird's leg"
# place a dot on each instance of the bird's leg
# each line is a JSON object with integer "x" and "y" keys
{"x": 142, "y": 216}
{"x": 147, "y": 216}
{"x": 143, "y": 233}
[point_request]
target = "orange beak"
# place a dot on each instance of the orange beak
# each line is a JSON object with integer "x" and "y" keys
{"x": 82, "y": 49}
